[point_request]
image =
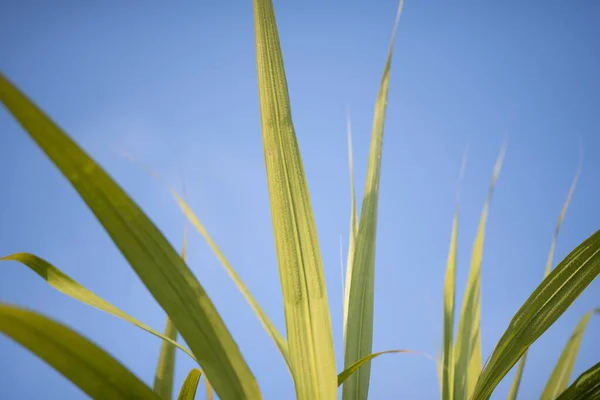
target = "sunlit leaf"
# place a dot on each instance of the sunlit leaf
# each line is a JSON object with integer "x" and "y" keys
{"x": 146, "y": 249}
{"x": 586, "y": 387}
{"x": 310, "y": 340}
{"x": 467, "y": 350}
{"x": 86, "y": 365}
{"x": 561, "y": 375}
{"x": 190, "y": 385}
{"x": 548, "y": 302}
{"x": 361, "y": 293}
{"x": 447, "y": 365}
{"x": 347, "y": 373}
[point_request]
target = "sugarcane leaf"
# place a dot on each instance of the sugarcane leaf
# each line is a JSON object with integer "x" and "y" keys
{"x": 190, "y": 385}
{"x": 545, "y": 305}
{"x": 359, "y": 319}
{"x": 154, "y": 260}
{"x": 82, "y": 362}
{"x": 347, "y": 373}
{"x": 586, "y": 387}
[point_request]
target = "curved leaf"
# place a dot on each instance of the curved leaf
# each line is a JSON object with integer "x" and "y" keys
{"x": 308, "y": 322}
{"x": 361, "y": 280}
{"x": 586, "y": 387}
{"x": 467, "y": 351}
{"x": 154, "y": 260}
{"x": 548, "y": 302}
{"x": 190, "y": 385}
{"x": 66, "y": 285}
{"x": 347, "y": 373}
{"x": 561, "y": 375}
{"x": 86, "y": 365}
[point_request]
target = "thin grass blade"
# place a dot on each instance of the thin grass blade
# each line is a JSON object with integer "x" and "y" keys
{"x": 308, "y": 322}
{"x": 353, "y": 228}
{"x": 86, "y": 365}
{"x": 68, "y": 286}
{"x": 519, "y": 373}
{"x": 190, "y": 385}
{"x": 467, "y": 350}
{"x": 561, "y": 375}
{"x": 446, "y": 366}
{"x": 146, "y": 249}
{"x": 165, "y": 369}
{"x": 586, "y": 387}
{"x": 545, "y": 305}
{"x": 359, "y": 324}
{"x": 347, "y": 373}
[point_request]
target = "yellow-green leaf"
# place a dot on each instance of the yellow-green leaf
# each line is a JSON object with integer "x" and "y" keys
{"x": 262, "y": 316}
{"x": 308, "y": 323}
{"x": 518, "y": 374}
{"x": 154, "y": 260}
{"x": 447, "y": 365}
{"x": 347, "y": 373}
{"x": 545, "y": 305}
{"x": 467, "y": 350}
{"x": 68, "y": 286}
{"x": 190, "y": 385}
{"x": 353, "y": 228}
{"x": 359, "y": 323}
{"x": 86, "y": 365}
{"x": 561, "y": 375}
{"x": 586, "y": 387}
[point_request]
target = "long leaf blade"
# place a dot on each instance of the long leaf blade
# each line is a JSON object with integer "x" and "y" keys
{"x": 561, "y": 375}
{"x": 447, "y": 366}
{"x": 347, "y": 373}
{"x": 519, "y": 373}
{"x": 86, "y": 365}
{"x": 308, "y": 322}
{"x": 548, "y": 302}
{"x": 467, "y": 351}
{"x": 68, "y": 286}
{"x": 586, "y": 387}
{"x": 148, "y": 252}
{"x": 359, "y": 326}
{"x": 190, "y": 385}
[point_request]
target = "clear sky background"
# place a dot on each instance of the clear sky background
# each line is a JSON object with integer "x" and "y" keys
{"x": 175, "y": 85}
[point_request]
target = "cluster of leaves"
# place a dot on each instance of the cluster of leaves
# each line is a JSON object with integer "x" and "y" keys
{"x": 308, "y": 348}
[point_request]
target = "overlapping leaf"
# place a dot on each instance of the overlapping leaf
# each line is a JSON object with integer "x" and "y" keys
{"x": 79, "y": 360}
{"x": 151, "y": 256}
{"x": 586, "y": 387}
{"x": 190, "y": 385}
{"x": 361, "y": 293}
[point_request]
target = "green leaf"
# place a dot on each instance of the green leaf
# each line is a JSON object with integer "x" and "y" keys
{"x": 347, "y": 373}
{"x": 165, "y": 370}
{"x": 68, "y": 286}
{"x": 146, "y": 249}
{"x": 561, "y": 375}
{"x": 359, "y": 323}
{"x": 517, "y": 379}
{"x": 86, "y": 365}
{"x": 262, "y": 316}
{"x": 586, "y": 387}
{"x": 353, "y": 229}
{"x": 190, "y": 385}
{"x": 514, "y": 388}
{"x": 447, "y": 365}
{"x": 308, "y": 322}
{"x": 467, "y": 351}
{"x": 545, "y": 305}
{"x": 209, "y": 390}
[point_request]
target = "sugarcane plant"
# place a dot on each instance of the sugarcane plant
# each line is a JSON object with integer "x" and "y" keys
{"x": 307, "y": 348}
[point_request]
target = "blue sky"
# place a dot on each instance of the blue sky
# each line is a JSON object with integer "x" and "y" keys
{"x": 176, "y": 87}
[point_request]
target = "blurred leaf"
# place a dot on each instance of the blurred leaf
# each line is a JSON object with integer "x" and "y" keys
{"x": 347, "y": 373}
{"x": 467, "y": 351}
{"x": 66, "y": 285}
{"x": 545, "y": 305}
{"x": 308, "y": 322}
{"x": 79, "y": 360}
{"x": 190, "y": 385}
{"x": 148, "y": 252}
{"x": 561, "y": 375}
{"x": 519, "y": 373}
{"x": 446, "y": 366}
{"x": 361, "y": 275}
{"x": 586, "y": 387}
